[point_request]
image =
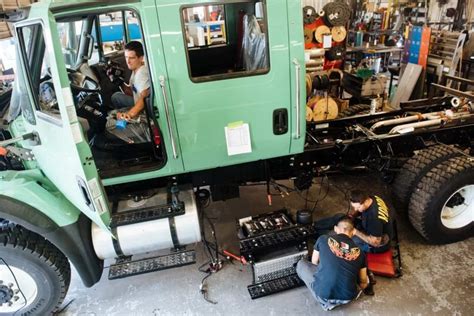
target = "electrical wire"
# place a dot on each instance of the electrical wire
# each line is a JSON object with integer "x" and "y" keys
{"x": 320, "y": 190}
{"x": 214, "y": 264}
{"x": 18, "y": 286}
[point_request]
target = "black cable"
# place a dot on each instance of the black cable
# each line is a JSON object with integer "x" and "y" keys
{"x": 320, "y": 190}
{"x": 65, "y": 307}
{"x": 214, "y": 264}
{"x": 203, "y": 289}
{"x": 16, "y": 281}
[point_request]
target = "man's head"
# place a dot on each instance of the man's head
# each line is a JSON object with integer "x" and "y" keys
{"x": 134, "y": 55}
{"x": 360, "y": 201}
{"x": 344, "y": 226}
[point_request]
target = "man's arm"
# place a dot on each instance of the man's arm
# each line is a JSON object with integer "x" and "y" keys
{"x": 363, "y": 278}
{"x": 371, "y": 240}
{"x": 137, "y": 108}
{"x": 315, "y": 257}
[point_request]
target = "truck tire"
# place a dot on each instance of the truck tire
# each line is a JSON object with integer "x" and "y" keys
{"x": 353, "y": 110}
{"x": 35, "y": 274}
{"x": 442, "y": 206}
{"x": 415, "y": 168}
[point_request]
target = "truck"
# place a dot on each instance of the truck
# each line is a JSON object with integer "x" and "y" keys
{"x": 222, "y": 112}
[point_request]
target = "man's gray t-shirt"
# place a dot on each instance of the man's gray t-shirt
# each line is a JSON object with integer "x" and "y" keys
{"x": 139, "y": 81}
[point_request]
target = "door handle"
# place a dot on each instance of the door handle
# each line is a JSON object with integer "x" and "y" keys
{"x": 298, "y": 99}
{"x": 280, "y": 121}
{"x": 168, "y": 116}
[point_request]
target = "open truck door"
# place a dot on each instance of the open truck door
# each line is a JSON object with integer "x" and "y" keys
{"x": 62, "y": 151}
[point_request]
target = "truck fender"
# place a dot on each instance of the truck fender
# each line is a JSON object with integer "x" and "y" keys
{"x": 29, "y": 204}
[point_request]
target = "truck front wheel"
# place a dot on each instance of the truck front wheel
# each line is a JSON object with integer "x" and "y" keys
{"x": 34, "y": 274}
{"x": 442, "y": 207}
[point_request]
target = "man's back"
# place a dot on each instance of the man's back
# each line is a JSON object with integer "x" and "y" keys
{"x": 338, "y": 271}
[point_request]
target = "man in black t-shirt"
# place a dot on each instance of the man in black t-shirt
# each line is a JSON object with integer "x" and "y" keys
{"x": 337, "y": 271}
{"x": 374, "y": 227}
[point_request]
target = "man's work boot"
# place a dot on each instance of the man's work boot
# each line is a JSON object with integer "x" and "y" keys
{"x": 371, "y": 276}
{"x": 369, "y": 290}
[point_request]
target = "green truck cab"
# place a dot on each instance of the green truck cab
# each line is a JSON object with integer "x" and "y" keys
{"x": 226, "y": 107}
{"x": 223, "y": 93}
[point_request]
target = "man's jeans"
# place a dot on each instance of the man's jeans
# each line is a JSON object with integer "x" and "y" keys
{"x": 305, "y": 271}
{"x": 120, "y": 100}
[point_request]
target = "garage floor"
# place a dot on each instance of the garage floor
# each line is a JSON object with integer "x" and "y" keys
{"x": 437, "y": 279}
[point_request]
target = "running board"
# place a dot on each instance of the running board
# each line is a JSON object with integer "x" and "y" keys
{"x": 123, "y": 268}
{"x": 146, "y": 214}
{"x": 274, "y": 286}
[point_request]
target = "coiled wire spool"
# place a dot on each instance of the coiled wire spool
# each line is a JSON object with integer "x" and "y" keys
{"x": 309, "y": 14}
{"x": 335, "y": 53}
{"x": 338, "y": 33}
{"x": 321, "y": 82}
{"x": 309, "y": 114}
{"x": 337, "y": 13}
{"x": 325, "y": 109}
{"x": 317, "y": 82}
{"x": 320, "y": 32}
{"x": 309, "y": 84}
{"x": 308, "y": 34}
{"x": 312, "y": 102}
{"x": 324, "y": 82}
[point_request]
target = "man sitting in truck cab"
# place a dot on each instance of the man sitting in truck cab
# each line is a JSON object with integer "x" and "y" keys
{"x": 130, "y": 102}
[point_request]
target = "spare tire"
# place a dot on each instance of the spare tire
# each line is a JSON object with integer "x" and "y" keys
{"x": 354, "y": 109}
{"x": 442, "y": 206}
{"x": 415, "y": 168}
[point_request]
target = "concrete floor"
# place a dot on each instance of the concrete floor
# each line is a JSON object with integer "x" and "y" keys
{"x": 437, "y": 279}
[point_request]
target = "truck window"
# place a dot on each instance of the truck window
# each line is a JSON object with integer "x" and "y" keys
{"x": 38, "y": 74}
{"x": 113, "y": 34}
{"x": 225, "y": 40}
{"x": 69, "y": 35}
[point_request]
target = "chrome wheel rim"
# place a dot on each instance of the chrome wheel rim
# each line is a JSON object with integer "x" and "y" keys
{"x": 11, "y": 290}
{"x": 458, "y": 211}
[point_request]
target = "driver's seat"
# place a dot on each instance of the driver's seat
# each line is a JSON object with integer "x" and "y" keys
{"x": 86, "y": 70}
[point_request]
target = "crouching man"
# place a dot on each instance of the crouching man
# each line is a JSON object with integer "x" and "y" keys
{"x": 337, "y": 272}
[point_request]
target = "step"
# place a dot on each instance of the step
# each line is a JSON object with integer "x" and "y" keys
{"x": 274, "y": 286}
{"x": 146, "y": 214}
{"x": 123, "y": 269}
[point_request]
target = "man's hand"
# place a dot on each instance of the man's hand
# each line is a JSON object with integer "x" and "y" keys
{"x": 315, "y": 257}
{"x": 123, "y": 116}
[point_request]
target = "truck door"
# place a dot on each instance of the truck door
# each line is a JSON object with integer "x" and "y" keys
{"x": 232, "y": 83}
{"x": 62, "y": 153}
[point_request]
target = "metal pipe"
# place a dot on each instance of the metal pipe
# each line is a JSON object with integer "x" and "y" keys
{"x": 429, "y": 123}
{"x": 411, "y": 118}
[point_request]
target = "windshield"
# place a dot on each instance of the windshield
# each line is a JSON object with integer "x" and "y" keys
{"x": 70, "y": 35}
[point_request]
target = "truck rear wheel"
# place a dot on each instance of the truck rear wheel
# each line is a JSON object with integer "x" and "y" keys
{"x": 442, "y": 207}
{"x": 415, "y": 168}
{"x": 35, "y": 275}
